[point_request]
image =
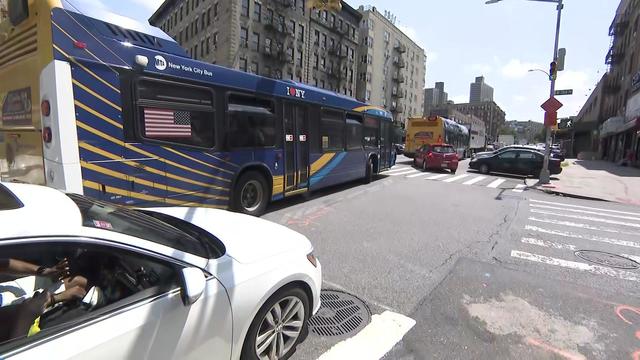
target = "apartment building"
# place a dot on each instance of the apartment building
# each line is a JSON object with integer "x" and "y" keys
{"x": 282, "y": 39}
{"x": 391, "y": 66}
{"x": 489, "y": 112}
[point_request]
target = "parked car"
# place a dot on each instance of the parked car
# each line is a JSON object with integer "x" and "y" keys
{"x": 515, "y": 161}
{"x": 554, "y": 154}
{"x": 439, "y": 156}
{"x": 167, "y": 283}
{"x": 399, "y": 149}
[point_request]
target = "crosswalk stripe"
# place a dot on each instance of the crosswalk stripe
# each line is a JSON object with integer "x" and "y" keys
{"x": 419, "y": 174}
{"x": 584, "y": 226}
{"x": 584, "y": 207}
{"x": 584, "y": 237}
{"x": 404, "y": 168}
{"x": 474, "y": 180}
{"x": 594, "y": 269}
{"x": 590, "y": 218}
{"x": 496, "y": 183}
{"x": 456, "y": 178}
{"x": 585, "y": 212}
{"x": 404, "y": 173}
{"x": 519, "y": 188}
{"x": 436, "y": 177}
{"x": 548, "y": 244}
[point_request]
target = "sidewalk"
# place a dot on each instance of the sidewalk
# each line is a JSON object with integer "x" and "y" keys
{"x": 598, "y": 180}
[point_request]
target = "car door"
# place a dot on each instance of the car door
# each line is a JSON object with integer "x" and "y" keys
{"x": 140, "y": 314}
{"x": 527, "y": 163}
{"x": 506, "y": 162}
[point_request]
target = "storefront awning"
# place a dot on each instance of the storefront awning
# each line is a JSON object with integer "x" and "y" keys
{"x": 612, "y": 126}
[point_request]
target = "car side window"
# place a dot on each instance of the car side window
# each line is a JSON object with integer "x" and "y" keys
{"x": 508, "y": 155}
{"x": 49, "y": 287}
{"x": 527, "y": 155}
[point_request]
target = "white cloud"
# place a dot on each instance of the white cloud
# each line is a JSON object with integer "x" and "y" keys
{"x": 519, "y": 98}
{"x": 482, "y": 69}
{"x": 516, "y": 69}
{"x": 151, "y": 5}
{"x": 407, "y": 30}
{"x": 458, "y": 99}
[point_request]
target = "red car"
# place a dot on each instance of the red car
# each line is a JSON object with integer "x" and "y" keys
{"x": 437, "y": 156}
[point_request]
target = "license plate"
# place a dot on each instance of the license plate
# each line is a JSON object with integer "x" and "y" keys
{"x": 445, "y": 163}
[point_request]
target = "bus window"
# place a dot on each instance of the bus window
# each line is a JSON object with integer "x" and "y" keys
{"x": 332, "y": 130}
{"x": 251, "y": 122}
{"x": 371, "y": 126}
{"x": 176, "y": 113}
{"x": 354, "y": 132}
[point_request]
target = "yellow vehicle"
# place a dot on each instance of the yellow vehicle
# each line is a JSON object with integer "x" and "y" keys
{"x": 436, "y": 130}
{"x": 25, "y": 49}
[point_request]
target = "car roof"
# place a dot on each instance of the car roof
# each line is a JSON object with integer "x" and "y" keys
{"x": 42, "y": 210}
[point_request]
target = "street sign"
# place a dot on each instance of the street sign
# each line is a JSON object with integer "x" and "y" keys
{"x": 564, "y": 92}
{"x": 550, "y": 118}
{"x": 551, "y": 105}
{"x": 562, "y": 54}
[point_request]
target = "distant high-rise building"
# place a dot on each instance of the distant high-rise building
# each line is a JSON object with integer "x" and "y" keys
{"x": 434, "y": 97}
{"x": 480, "y": 91}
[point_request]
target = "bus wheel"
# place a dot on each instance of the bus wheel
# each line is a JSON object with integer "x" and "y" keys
{"x": 251, "y": 195}
{"x": 368, "y": 176}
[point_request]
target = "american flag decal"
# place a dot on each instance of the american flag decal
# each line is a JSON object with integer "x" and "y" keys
{"x": 167, "y": 123}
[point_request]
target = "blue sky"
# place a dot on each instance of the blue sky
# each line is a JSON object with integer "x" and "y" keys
{"x": 466, "y": 38}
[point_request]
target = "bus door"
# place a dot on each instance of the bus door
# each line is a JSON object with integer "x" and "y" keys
{"x": 296, "y": 148}
{"x": 385, "y": 144}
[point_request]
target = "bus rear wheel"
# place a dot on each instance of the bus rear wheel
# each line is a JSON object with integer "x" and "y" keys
{"x": 368, "y": 176}
{"x": 251, "y": 194}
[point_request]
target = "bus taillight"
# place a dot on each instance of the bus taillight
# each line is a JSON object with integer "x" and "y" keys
{"x": 45, "y": 108}
{"x": 46, "y": 135}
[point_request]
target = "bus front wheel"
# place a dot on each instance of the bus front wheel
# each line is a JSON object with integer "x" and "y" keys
{"x": 368, "y": 176}
{"x": 251, "y": 194}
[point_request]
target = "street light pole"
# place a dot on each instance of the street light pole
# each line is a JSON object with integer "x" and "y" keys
{"x": 545, "y": 174}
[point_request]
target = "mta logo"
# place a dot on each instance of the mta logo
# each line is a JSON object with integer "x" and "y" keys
{"x": 160, "y": 62}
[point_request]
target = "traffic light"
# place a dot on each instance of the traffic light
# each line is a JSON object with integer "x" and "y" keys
{"x": 553, "y": 71}
{"x": 329, "y": 5}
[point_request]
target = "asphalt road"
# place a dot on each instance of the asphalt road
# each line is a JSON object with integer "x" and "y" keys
{"x": 486, "y": 267}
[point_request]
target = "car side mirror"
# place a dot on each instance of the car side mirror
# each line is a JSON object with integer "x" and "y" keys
{"x": 193, "y": 283}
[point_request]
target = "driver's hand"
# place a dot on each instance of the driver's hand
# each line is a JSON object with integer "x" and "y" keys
{"x": 57, "y": 272}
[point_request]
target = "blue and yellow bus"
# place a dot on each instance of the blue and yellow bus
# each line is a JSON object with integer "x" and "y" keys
{"x": 126, "y": 116}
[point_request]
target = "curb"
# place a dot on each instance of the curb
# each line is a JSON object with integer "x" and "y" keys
{"x": 569, "y": 195}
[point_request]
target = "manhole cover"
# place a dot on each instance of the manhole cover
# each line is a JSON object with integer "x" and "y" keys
{"x": 607, "y": 259}
{"x": 340, "y": 316}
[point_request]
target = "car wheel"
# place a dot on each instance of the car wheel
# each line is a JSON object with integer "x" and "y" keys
{"x": 251, "y": 194}
{"x": 368, "y": 176}
{"x": 453, "y": 171}
{"x": 484, "y": 168}
{"x": 415, "y": 162}
{"x": 424, "y": 164}
{"x": 280, "y": 325}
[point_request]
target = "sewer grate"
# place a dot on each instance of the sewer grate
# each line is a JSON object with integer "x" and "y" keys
{"x": 607, "y": 259}
{"x": 341, "y": 315}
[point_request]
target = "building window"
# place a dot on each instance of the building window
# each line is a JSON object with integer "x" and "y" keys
{"x": 267, "y": 71}
{"x": 324, "y": 15}
{"x": 299, "y": 58}
{"x": 254, "y": 68}
{"x": 195, "y": 31}
{"x": 352, "y": 54}
{"x": 324, "y": 41}
{"x": 316, "y": 37}
{"x": 368, "y": 95}
{"x": 181, "y": 8}
{"x": 300, "y": 32}
{"x": 350, "y": 75}
{"x": 195, "y": 52}
{"x": 269, "y": 18}
{"x": 292, "y": 27}
{"x": 209, "y": 17}
{"x": 202, "y": 48}
{"x": 290, "y": 55}
{"x": 387, "y": 36}
{"x": 353, "y": 32}
{"x": 188, "y": 1}
{"x": 332, "y": 43}
{"x": 323, "y": 63}
{"x": 280, "y": 23}
{"x": 215, "y": 10}
{"x": 214, "y": 40}
{"x": 315, "y": 81}
{"x": 333, "y": 20}
{"x": 368, "y": 77}
{"x": 257, "y": 11}
{"x": 322, "y": 84}
{"x": 243, "y": 64}
{"x": 255, "y": 42}
{"x": 267, "y": 45}
{"x": 290, "y": 75}
{"x": 244, "y": 37}
{"x": 332, "y": 130}
{"x": 316, "y": 61}
{"x": 202, "y": 21}
{"x": 208, "y": 45}
{"x": 245, "y": 8}
{"x": 301, "y": 3}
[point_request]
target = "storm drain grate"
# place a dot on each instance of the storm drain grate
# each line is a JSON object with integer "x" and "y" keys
{"x": 341, "y": 315}
{"x": 607, "y": 259}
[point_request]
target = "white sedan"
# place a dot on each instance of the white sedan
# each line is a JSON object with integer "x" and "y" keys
{"x": 84, "y": 279}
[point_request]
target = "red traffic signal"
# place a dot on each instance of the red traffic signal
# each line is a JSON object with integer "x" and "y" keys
{"x": 553, "y": 70}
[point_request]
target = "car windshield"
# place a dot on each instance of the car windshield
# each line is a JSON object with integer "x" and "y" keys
{"x": 443, "y": 149}
{"x": 106, "y": 216}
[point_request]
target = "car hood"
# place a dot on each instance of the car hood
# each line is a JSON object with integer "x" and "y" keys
{"x": 247, "y": 239}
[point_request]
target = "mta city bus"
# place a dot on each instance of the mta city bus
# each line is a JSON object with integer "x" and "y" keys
{"x": 436, "y": 130}
{"x": 114, "y": 109}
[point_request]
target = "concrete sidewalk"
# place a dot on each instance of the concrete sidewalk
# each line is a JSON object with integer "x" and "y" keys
{"x": 597, "y": 180}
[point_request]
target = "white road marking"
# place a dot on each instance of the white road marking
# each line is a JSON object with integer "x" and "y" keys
{"x": 519, "y": 188}
{"x": 635, "y": 258}
{"x": 474, "y": 180}
{"x": 398, "y": 169}
{"x": 366, "y": 300}
{"x": 548, "y": 244}
{"x": 584, "y": 207}
{"x": 585, "y": 212}
{"x": 456, "y": 178}
{"x": 584, "y": 226}
{"x": 404, "y": 173}
{"x": 590, "y": 218}
{"x": 375, "y": 340}
{"x": 420, "y": 174}
{"x": 496, "y": 183}
{"x": 584, "y": 237}
{"x": 594, "y": 269}
{"x": 435, "y": 177}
